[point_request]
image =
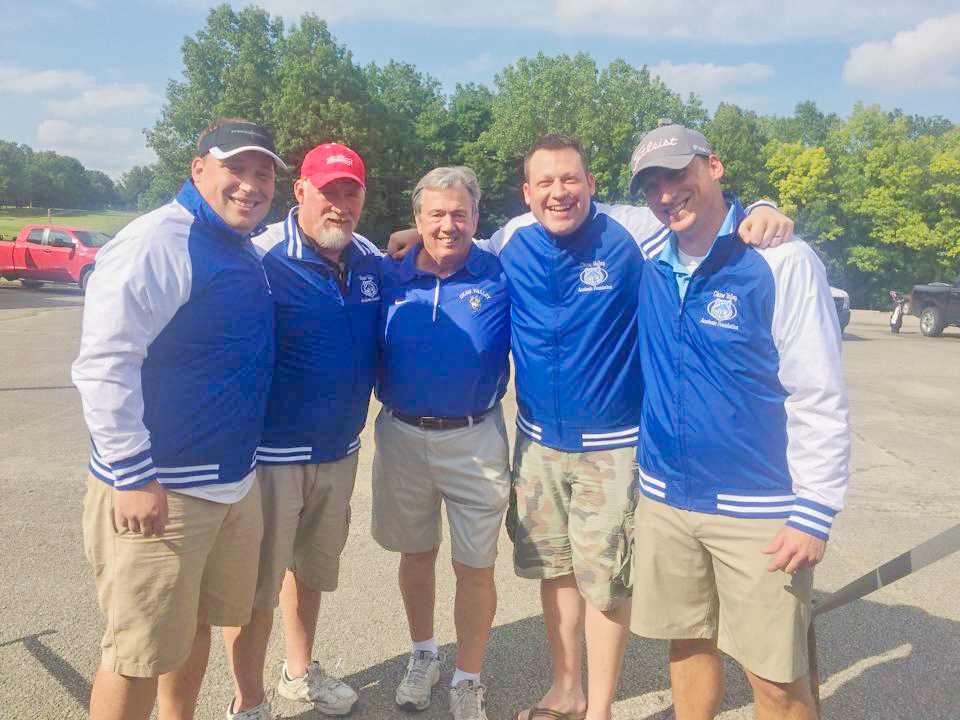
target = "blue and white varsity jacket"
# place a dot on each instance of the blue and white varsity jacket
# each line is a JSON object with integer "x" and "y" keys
{"x": 574, "y": 335}
{"x": 745, "y": 410}
{"x": 177, "y": 351}
{"x": 326, "y": 346}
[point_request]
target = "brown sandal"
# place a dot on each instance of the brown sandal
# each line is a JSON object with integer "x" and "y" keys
{"x": 539, "y": 712}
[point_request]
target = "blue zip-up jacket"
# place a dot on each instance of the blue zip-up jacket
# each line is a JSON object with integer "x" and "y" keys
{"x": 574, "y": 337}
{"x": 745, "y": 410}
{"x": 177, "y": 352}
{"x": 445, "y": 341}
{"x": 326, "y": 346}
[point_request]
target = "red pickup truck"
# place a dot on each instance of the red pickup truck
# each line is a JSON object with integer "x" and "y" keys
{"x": 50, "y": 253}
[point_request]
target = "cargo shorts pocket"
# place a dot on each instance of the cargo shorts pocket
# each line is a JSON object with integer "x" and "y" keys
{"x": 623, "y": 558}
{"x": 513, "y": 518}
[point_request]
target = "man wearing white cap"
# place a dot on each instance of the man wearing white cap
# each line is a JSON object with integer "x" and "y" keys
{"x": 732, "y": 339}
{"x": 174, "y": 371}
{"x": 326, "y": 292}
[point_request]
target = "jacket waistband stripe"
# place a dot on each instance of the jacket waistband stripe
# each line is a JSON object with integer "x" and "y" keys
{"x": 527, "y": 425}
{"x": 618, "y": 433}
{"x": 650, "y": 480}
{"x": 632, "y": 440}
{"x": 756, "y": 498}
{"x": 650, "y": 490}
{"x": 182, "y": 480}
{"x": 180, "y": 469}
{"x": 280, "y": 460}
{"x": 755, "y": 509}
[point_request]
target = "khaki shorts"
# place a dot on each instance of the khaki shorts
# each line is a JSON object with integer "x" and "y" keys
{"x": 413, "y": 470}
{"x": 572, "y": 512}
{"x": 306, "y": 517}
{"x": 152, "y": 590}
{"x": 700, "y": 575}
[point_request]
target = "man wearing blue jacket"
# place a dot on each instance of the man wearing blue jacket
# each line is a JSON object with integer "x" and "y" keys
{"x": 174, "y": 370}
{"x": 744, "y": 441}
{"x": 325, "y": 282}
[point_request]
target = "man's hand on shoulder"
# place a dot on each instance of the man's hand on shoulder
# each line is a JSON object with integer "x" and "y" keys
{"x": 793, "y": 549}
{"x": 765, "y": 227}
{"x": 141, "y": 510}
{"x": 401, "y": 242}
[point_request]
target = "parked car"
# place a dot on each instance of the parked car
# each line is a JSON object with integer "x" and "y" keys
{"x": 937, "y": 304}
{"x": 50, "y": 253}
{"x": 841, "y": 298}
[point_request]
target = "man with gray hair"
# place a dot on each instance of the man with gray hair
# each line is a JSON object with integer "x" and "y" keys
{"x": 445, "y": 336}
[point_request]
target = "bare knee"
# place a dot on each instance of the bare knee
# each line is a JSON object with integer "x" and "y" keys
{"x": 471, "y": 575}
{"x": 687, "y": 648}
{"x": 420, "y": 559}
{"x": 782, "y": 699}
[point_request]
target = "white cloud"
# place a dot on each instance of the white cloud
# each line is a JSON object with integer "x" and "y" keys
{"x": 112, "y": 150}
{"x": 731, "y": 22}
{"x": 713, "y": 83}
{"x": 927, "y": 57}
{"x": 18, "y": 80}
{"x": 107, "y": 98}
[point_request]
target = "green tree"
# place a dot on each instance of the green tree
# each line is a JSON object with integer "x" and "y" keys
{"x": 738, "y": 138}
{"x": 407, "y": 118}
{"x": 15, "y": 159}
{"x": 229, "y": 70}
{"x": 132, "y": 185}
{"x": 609, "y": 111}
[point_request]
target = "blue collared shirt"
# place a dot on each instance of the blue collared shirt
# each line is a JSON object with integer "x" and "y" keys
{"x": 671, "y": 255}
{"x": 444, "y": 341}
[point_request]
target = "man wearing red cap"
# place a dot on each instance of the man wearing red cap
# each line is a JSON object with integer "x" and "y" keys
{"x": 326, "y": 293}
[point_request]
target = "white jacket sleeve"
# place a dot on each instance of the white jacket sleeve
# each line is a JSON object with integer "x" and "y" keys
{"x": 648, "y": 232}
{"x": 142, "y": 277}
{"x": 808, "y": 339}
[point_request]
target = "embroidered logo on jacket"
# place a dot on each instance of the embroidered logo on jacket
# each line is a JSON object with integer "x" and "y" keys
{"x": 368, "y": 288}
{"x": 594, "y": 276}
{"x": 722, "y": 309}
{"x": 475, "y": 298}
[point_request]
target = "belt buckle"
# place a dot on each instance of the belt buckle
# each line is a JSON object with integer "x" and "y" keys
{"x": 427, "y": 422}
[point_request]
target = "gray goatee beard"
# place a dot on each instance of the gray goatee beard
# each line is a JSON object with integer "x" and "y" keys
{"x": 335, "y": 239}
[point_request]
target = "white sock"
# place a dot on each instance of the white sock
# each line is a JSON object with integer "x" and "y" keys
{"x": 286, "y": 674}
{"x": 460, "y": 675}
{"x": 430, "y": 645}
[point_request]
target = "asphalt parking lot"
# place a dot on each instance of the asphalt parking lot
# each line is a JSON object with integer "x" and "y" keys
{"x": 892, "y": 655}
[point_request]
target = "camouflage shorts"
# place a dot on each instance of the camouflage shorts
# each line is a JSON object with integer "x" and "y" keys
{"x": 572, "y": 512}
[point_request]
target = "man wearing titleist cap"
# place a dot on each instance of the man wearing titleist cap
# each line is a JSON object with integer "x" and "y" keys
{"x": 171, "y": 517}
{"x": 325, "y": 284}
{"x": 732, "y": 338}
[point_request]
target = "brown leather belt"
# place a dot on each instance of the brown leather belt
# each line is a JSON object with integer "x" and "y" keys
{"x": 427, "y": 422}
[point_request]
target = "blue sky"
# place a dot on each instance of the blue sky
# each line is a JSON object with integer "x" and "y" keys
{"x": 86, "y": 77}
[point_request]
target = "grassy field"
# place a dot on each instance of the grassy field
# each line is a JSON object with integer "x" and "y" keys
{"x": 108, "y": 221}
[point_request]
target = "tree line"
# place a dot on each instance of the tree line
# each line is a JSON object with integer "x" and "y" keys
{"x": 46, "y": 179}
{"x": 877, "y": 193}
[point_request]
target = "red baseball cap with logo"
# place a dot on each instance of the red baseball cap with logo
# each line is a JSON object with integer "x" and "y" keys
{"x": 330, "y": 161}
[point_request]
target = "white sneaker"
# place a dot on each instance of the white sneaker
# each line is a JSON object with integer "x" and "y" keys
{"x": 328, "y": 694}
{"x": 260, "y": 712}
{"x": 466, "y": 701}
{"x": 423, "y": 672}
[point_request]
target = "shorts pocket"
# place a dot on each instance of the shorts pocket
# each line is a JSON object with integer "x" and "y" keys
{"x": 623, "y": 558}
